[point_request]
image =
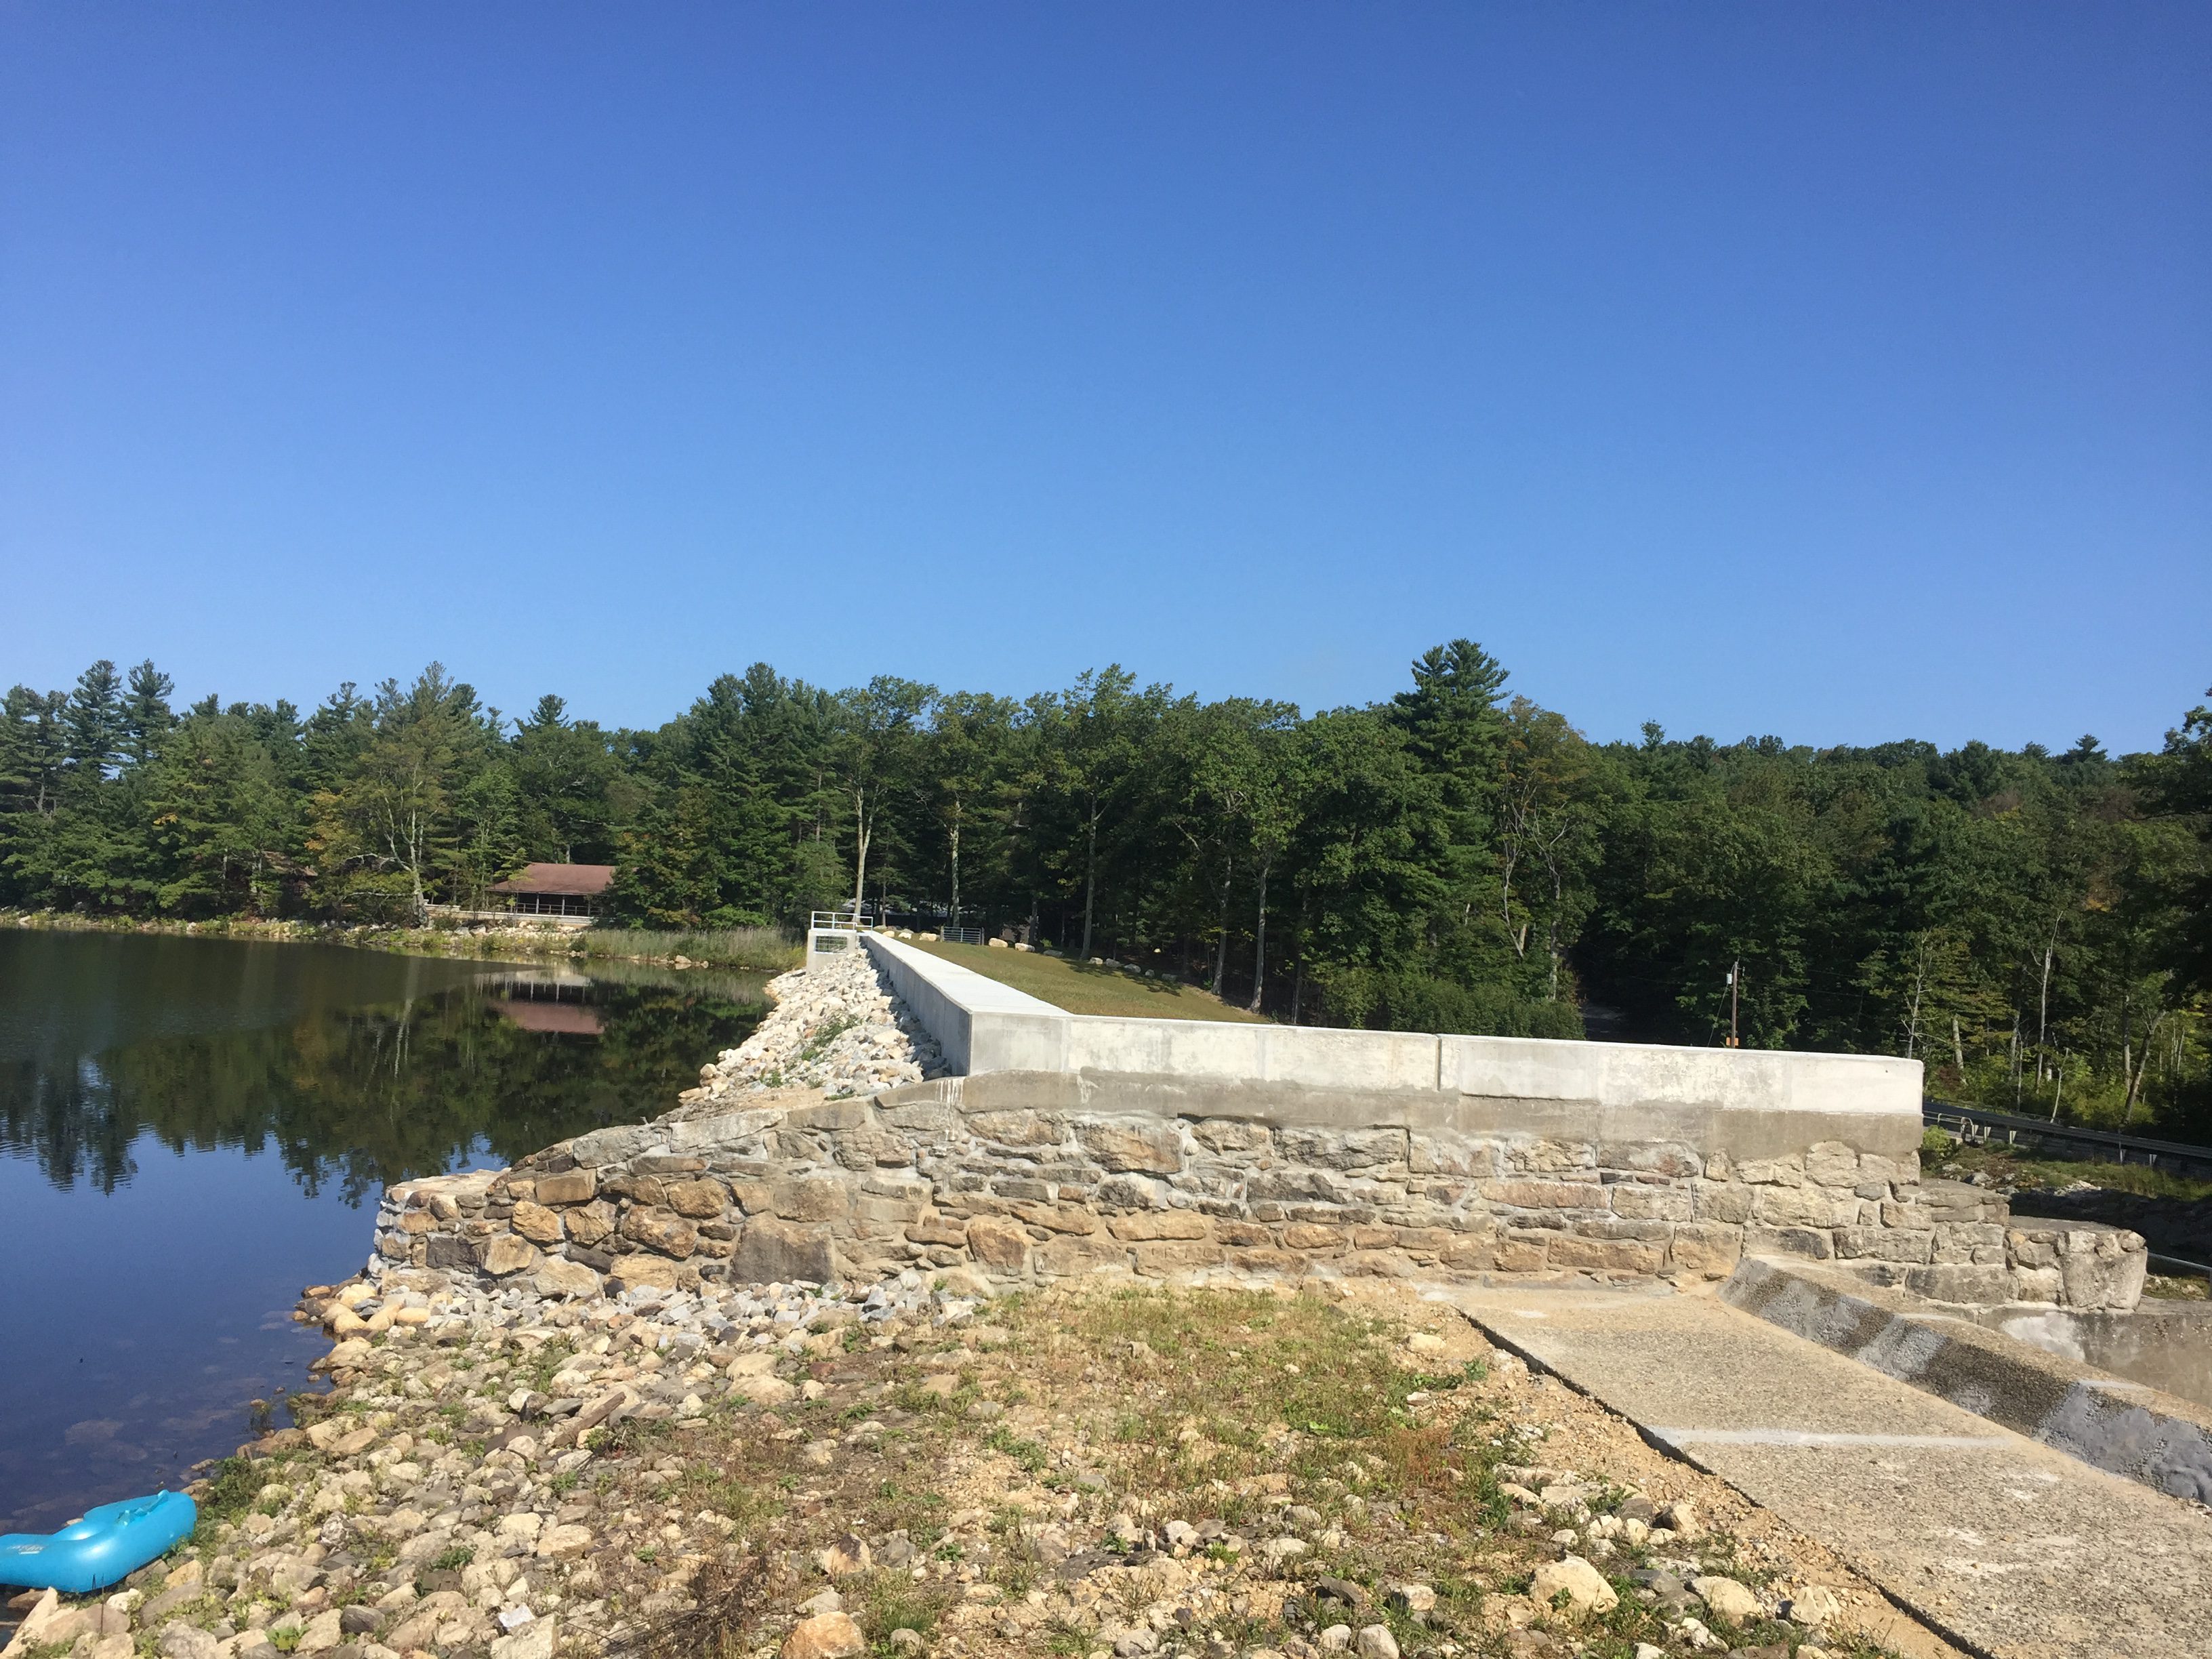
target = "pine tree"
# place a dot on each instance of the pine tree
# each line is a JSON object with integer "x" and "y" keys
{"x": 94, "y": 722}
{"x": 145, "y": 713}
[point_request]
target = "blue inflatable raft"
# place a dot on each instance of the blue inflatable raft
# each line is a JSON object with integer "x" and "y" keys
{"x": 111, "y": 1542}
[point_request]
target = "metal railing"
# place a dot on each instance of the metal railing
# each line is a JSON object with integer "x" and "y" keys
{"x": 842, "y": 920}
{"x": 1979, "y": 1126}
{"x": 961, "y": 935}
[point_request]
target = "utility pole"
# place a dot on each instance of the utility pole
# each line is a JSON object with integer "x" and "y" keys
{"x": 1735, "y": 978}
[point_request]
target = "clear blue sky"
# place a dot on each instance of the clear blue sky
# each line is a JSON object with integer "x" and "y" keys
{"x": 1843, "y": 372}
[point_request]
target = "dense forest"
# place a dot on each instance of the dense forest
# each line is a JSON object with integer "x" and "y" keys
{"x": 2035, "y": 925}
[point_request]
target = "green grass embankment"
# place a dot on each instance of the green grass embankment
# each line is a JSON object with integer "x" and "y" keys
{"x": 1081, "y": 988}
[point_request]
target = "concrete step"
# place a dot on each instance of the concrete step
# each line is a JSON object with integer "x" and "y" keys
{"x": 2123, "y": 1427}
{"x": 2003, "y": 1546}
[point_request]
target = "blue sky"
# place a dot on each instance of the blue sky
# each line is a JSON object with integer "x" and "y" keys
{"x": 1839, "y": 372}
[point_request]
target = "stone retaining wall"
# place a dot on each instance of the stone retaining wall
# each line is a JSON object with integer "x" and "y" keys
{"x": 1030, "y": 1176}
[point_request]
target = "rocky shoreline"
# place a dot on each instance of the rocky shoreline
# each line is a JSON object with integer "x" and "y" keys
{"x": 538, "y": 942}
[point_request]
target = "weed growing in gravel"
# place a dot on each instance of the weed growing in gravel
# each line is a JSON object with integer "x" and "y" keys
{"x": 1251, "y": 1414}
{"x": 235, "y": 1484}
{"x": 1027, "y": 1454}
{"x": 825, "y": 1034}
{"x": 890, "y": 1602}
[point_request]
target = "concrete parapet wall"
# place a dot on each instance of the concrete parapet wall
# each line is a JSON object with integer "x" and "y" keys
{"x": 980, "y": 1025}
{"x": 1757, "y": 1103}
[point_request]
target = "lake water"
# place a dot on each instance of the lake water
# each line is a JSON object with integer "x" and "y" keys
{"x": 191, "y": 1130}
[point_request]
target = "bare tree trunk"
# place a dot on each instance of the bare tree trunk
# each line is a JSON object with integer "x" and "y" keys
{"x": 1957, "y": 1048}
{"x": 2127, "y": 1070}
{"x": 1089, "y": 880}
{"x": 956, "y": 862}
{"x": 1221, "y": 944}
{"x": 861, "y": 832}
{"x": 1552, "y": 939}
{"x": 1506, "y": 890}
{"x": 1260, "y": 944}
{"x": 2043, "y": 1004}
{"x": 1912, "y": 1019}
{"x": 415, "y": 867}
{"x": 2135, "y": 1076}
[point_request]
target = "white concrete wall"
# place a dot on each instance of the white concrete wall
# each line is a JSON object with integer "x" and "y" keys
{"x": 984, "y": 1026}
{"x": 980, "y": 1024}
{"x": 1655, "y": 1074}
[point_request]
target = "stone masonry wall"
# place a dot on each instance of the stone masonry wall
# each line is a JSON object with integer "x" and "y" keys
{"x": 1002, "y": 1175}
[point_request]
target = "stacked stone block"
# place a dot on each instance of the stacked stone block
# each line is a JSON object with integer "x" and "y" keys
{"x": 938, "y": 1177}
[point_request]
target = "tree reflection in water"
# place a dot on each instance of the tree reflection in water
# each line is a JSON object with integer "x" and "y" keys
{"x": 151, "y": 1258}
{"x": 350, "y": 1084}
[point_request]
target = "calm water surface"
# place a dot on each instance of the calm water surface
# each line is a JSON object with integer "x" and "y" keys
{"x": 190, "y": 1129}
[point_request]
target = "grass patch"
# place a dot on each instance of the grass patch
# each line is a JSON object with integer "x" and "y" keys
{"x": 825, "y": 1034}
{"x": 632, "y": 1434}
{"x": 1081, "y": 988}
{"x": 1243, "y": 1414}
{"x": 1236, "y": 1386}
{"x": 727, "y": 1493}
{"x": 1026, "y": 1454}
{"x": 536, "y": 1372}
{"x": 1443, "y": 1382}
{"x": 2016, "y": 1167}
{"x": 887, "y": 1602}
{"x": 2171, "y": 1287}
{"x": 234, "y": 1487}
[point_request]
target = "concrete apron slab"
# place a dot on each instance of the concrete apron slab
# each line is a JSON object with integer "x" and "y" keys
{"x": 2121, "y": 1427}
{"x": 2004, "y": 1546}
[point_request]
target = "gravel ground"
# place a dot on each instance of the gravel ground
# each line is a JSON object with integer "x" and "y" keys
{"x": 838, "y": 1029}
{"x": 818, "y": 1472}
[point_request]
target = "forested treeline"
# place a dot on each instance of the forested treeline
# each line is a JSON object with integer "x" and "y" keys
{"x": 2034, "y": 925}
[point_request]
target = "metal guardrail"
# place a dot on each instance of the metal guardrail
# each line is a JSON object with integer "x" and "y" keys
{"x": 841, "y": 921}
{"x": 2178, "y": 1267}
{"x": 1978, "y": 1127}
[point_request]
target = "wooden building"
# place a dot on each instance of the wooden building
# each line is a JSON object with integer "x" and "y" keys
{"x": 556, "y": 889}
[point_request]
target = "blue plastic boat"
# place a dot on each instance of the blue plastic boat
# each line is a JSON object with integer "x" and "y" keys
{"x": 111, "y": 1543}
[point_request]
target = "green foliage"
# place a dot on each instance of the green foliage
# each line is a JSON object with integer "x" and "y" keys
{"x": 2031, "y": 924}
{"x": 416, "y": 815}
{"x": 887, "y": 1603}
{"x": 232, "y": 1488}
{"x": 2017, "y": 1169}
{"x": 1444, "y": 1382}
{"x": 1027, "y": 1454}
